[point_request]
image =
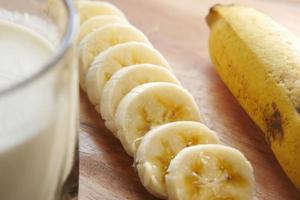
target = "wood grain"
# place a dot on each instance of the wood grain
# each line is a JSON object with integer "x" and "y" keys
{"x": 178, "y": 30}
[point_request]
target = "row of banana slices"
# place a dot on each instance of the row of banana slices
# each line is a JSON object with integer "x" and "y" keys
{"x": 157, "y": 121}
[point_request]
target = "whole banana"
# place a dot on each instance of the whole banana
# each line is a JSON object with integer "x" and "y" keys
{"x": 259, "y": 61}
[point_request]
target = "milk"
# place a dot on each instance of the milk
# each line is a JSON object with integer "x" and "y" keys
{"x": 22, "y": 53}
{"x": 34, "y": 132}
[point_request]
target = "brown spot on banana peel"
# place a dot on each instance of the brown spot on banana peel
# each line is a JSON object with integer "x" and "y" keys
{"x": 298, "y": 110}
{"x": 274, "y": 125}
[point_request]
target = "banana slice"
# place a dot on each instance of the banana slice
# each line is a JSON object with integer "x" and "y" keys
{"x": 210, "y": 171}
{"x": 88, "y": 9}
{"x": 115, "y": 58}
{"x": 101, "y": 39}
{"x": 97, "y": 22}
{"x": 165, "y": 142}
{"x": 150, "y": 105}
{"x": 78, "y": 3}
{"x": 125, "y": 80}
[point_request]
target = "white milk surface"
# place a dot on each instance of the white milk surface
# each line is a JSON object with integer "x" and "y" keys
{"x": 22, "y": 53}
{"x": 33, "y": 138}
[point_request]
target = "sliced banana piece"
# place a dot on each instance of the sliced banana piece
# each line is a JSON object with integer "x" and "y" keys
{"x": 97, "y": 22}
{"x": 103, "y": 38}
{"x": 165, "y": 142}
{"x": 78, "y": 3}
{"x": 115, "y": 58}
{"x": 123, "y": 81}
{"x": 150, "y": 105}
{"x": 88, "y": 9}
{"x": 210, "y": 172}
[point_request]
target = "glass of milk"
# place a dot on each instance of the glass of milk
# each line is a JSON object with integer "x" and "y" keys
{"x": 38, "y": 100}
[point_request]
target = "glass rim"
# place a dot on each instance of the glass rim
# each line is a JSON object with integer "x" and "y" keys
{"x": 68, "y": 38}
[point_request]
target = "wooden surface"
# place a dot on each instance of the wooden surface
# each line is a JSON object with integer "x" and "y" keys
{"x": 177, "y": 28}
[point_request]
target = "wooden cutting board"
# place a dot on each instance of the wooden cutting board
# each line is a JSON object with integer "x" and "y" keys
{"x": 177, "y": 28}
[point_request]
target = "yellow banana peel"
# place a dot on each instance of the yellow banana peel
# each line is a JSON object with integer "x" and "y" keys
{"x": 259, "y": 61}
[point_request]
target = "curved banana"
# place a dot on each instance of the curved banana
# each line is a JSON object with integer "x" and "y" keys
{"x": 115, "y": 58}
{"x": 97, "y": 22}
{"x": 101, "y": 39}
{"x": 123, "y": 81}
{"x": 210, "y": 171}
{"x": 150, "y": 105}
{"x": 88, "y": 9}
{"x": 259, "y": 61}
{"x": 165, "y": 142}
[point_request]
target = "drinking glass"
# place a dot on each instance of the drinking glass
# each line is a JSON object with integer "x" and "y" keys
{"x": 39, "y": 114}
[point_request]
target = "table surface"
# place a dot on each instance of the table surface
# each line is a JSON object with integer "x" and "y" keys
{"x": 178, "y": 30}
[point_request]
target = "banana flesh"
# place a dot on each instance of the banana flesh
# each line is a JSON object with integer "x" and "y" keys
{"x": 259, "y": 61}
{"x": 166, "y": 141}
{"x": 210, "y": 171}
{"x": 88, "y": 9}
{"x": 126, "y": 79}
{"x": 98, "y": 22}
{"x": 103, "y": 38}
{"x": 116, "y": 58}
{"x": 150, "y": 105}
{"x": 155, "y": 118}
